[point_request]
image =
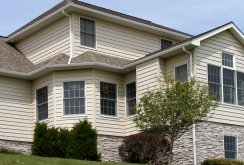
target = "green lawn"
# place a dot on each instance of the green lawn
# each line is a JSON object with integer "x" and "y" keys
{"x": 11, "y": 159}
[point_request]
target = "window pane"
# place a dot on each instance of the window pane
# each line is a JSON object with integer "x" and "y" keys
{"x": 87, "y": 32}
{"x": 230, "y": 147}
{"x": 214, "y": 81}
{"x": 229, "y": 86}
{"x": 227, "y": 60}
{"x": 108, "y": 101}
{"x": 74, "y": 101}
{"x": 181, "y": 73}
{"x": 166, "y": 43}
{"x": 42, "y": 103}
{"x": 240, "y": 88}
{"x": 130, "y": 98}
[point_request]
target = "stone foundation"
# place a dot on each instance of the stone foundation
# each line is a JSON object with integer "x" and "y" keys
{"x": 108, "y": 146}
{"x": 209, "y": 143}
{"x": 23, "y": 147}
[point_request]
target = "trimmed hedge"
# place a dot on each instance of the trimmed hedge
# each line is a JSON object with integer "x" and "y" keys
{"x": 78, "y": 143}
{"x": 222, "y": 162}
{"x": 144, "y": 148}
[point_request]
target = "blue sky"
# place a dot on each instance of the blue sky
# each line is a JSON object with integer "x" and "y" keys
{"x": 190, "y": 16}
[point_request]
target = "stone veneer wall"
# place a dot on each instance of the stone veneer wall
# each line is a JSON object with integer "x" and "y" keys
{"x": 108, "y": 146}
{"x": 209, "y": 143}
{"x": 23, "y": 147}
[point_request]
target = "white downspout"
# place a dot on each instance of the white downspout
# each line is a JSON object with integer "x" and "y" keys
{"x": 70, "y": 36}
{"x": 194, "y": 126}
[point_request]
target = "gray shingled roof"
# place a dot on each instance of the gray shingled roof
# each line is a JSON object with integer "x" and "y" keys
{"x": 97, "y": 57}
{"x": 13, "y": 60}
{"x": 83, "y": 4}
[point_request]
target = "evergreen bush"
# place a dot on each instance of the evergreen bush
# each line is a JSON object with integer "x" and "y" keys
{"x": 78, "y": 143}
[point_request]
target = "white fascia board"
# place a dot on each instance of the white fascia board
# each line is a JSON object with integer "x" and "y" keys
{"x": 198, "y": 40}
{"x": 130, "y": 21}
{"x": 36, "y": 23}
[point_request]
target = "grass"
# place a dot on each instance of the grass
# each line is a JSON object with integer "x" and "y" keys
{"x": 13, "y": 159}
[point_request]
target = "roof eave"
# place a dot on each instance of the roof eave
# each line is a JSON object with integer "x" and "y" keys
{"x": 71, "y": 6}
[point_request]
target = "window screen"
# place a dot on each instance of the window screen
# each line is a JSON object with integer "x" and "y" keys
{"x": 230, "y": 147}
{"x": 42, "y": 103}
{"x": 87, "y": 32}
{"x": 130, "y": 98}
{"x": 74, "y": 97}
{"x": 229, "y": 85}
{"x": 214, "y": 83}
{"x": 108, "y": 100}
{"x": 181, "y": 73}
{"x": 227, "y": 60}
{"x": 165, "y": 43}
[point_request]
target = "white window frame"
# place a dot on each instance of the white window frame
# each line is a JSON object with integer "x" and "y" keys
{"x": 85, "y": 98}
{"x": 95, "y": 26}
{"x": 237, "y": 151}
{"x": 179, "y": 66}
{"x": 126, "y": 109}
{"x": 117, "y": 99}
{"x": 36, "y": 105}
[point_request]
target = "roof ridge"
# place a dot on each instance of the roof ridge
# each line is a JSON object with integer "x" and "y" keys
{"x": 91, "y": 6}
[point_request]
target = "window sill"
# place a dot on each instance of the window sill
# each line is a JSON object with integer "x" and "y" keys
{"x": 74, "y": 116}
{"x": 130, "y": 117}
{"x": 233, "y": 105}
{"x": 87, "y": 47}
{"x": 43, "y": 121}
{"x": 108, "y": 116}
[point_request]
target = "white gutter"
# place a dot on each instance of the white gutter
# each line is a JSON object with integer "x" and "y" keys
{"x": 194, "y": 126}
{"x": 70, "y": 36}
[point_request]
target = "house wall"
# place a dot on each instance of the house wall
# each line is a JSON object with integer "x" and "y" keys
{"x": 116, "y": 40}
{"x": 16, "y": 119}
{"x": 41, "y": 82}
{"x": 68, "y": 121}
{"x": 210, "y": 53}
{"x": 46, "y": 43}
{"x": 130, "y": 126}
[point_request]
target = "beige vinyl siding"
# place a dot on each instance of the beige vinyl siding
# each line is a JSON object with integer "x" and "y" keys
{"x": 210, "y": 52}
{"x": 110, "y": 125}
{"x": 147, "y": 76}
{"x": 175, "y": 61}
{"x": 117, "y": 40}
{"x": 68, "y": 121}
{"x": 46, "y": 43}
{"x": 16, "y": 119}
{"x": 130, "y": 126}
{"x": 41, "y": 82}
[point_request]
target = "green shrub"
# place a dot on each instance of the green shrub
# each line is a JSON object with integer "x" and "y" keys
{"x": 79, "y": 143}
{"x": 39, "y": 146}
{"x": 144, "y": 148}
{"x": 222, "y": 162}
{"x": 84, "y": 142}
{"x": 8, "y": 151}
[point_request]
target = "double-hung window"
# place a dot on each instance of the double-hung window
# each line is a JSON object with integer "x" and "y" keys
{"x": 240, "y": 88}
{"x": 214, "y": 82}
{"x": 181, "y": 73}
{"x": 230, "y": 147}
{"x": 108, "y": 98}
{"x": 87, "y": 33}
{"x": 42, "y": 103}
{"x": 226, "y": 82}
{"x": 74, "y": 98}
{"x": 130, "y": 98}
